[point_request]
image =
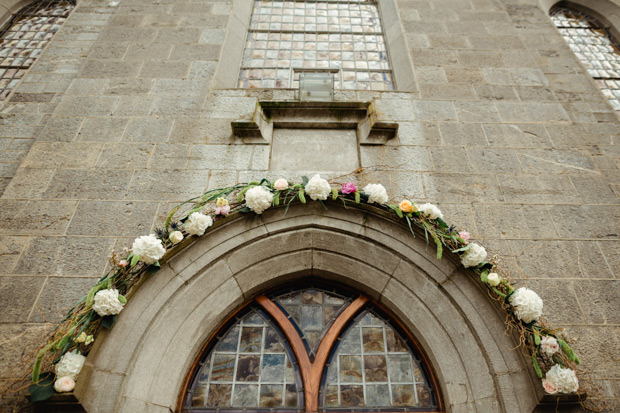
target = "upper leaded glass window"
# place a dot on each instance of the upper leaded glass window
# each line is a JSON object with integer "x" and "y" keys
{"x": 25, "y": 36}
{"x": 344, "y": 37}
{"x": 595, "y": 47}
{"x": 359, "y": 361}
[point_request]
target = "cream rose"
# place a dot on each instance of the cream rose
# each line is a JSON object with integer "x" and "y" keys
{"x": 64, "y": 384}
{"x": 70, "y": 364}
{"x": 318, "y": 188}
{"x": 549, "y": 345}
{"x": 549, "y": 387}
{"x": 281, "y": 184}
{"x": 475, "y": 255}
{"x": 149, "y": 248}
{"x": 431, "y": 211}
{"x": 564, "y": 379}
{"x": 527, "y": 304}
{"x": 107, "y": 302}
{"x": 197, "y": 223}
{"x": 258, "y": 199}
{"x": 376, "y": 193}
{"x": 493, "y": 279}
{"x": 175, "y": 237}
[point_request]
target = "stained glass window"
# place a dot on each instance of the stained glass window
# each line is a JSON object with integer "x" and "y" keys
{"x": 344, "y": 37}
{"x": 25, "y": 36}
{"x": 250, "y": 366}
{"x": 312, "y": 349}
{"x": 594, "y": 47}
{"x": 373, "y": 367}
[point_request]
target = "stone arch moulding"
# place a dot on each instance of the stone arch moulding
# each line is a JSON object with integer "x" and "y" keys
{"x": 605, "y": 11}
{"x": 141, "y": 364}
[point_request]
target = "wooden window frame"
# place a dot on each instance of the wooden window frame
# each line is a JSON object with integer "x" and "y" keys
{"x": 312, "y": 371}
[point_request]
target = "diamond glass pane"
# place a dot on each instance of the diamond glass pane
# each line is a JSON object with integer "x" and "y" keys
{"x": 372, "y": 367}
{"x": 594, "y": 47}
{"x": 249, "y": 367}
{"x": 24, "y": 37}
{"x": 343, "y": 37}
{"x": 312, "y": 311}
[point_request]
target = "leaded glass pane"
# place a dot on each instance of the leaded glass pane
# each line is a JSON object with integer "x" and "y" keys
{"x": 344, "y": 37}
{"x": 313, "y": 311}
{"x": 372, "y": 367}
{"x": 25, "y": 36}
{"x": 594, "y": 47}
{"x": 249, "y": 367}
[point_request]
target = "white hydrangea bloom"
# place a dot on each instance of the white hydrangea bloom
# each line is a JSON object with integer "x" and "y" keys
{"x": 475, "y": 254}
{"x": 528, "y": 305}
{"x": 563, "y": 378}
{"x": 197, "y": 223}
{"x": 70, "y": 364}
{"x": 431, "y": 211}
{"x": 149, "y": 248}
{"x": 376, "y": 193}
{"x": 318, "y": 188}
{"x": 107, "y": 303}
{"x": 258, "y": 199}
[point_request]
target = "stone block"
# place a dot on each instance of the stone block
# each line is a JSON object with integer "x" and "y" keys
{"x": 22, "y": 293}
{"x": 129, "y": 86}
{"x": 11, "y": 350}
{"x": 88, "y": 184}
{"x": 169, "y": 185}
{"x": 548, "y": 259}
{"x": 531, "y": 112}
{"x": 489, "y": 160}
{"x": 165, "y": 69}
{"x": 28, "y": 183}
{"x": 113, "y": 218}
{"x": 418, "y": 133}
{"x": 538, "y": 189}
{"x": 430, "y": 75}
{"x": 587, "y": 221}
{"x": 397, "y": 109}
{"x": 476, "y": 112}
{"x": 134, "y": 106}
{"x": 35, "y": 217}
{"x": 190, "y": 52}
{"x": 58, "y": 295}
{"x": 178, "y": 36}
{"x": 174, "y": 106}
{"x": 223, "y": 157}
{"x": 108, "y": 68}
{"x": 59, "y": 129}
{"x": 461, "y": 188}
{"x": 556, "y": 161}
{"x": 427, "y": 110}
{"x": 105, "y": 51}
{"x": 515, "y": 221}
{"x": 594, "y": 190}
{"x": 467, "y": 75}
{"x": 86, "y": 106}
{"x": 10, "y": 249}
{"x": 451, "y": 159}
{"x": 561, "y": 305}
{"x": 515, "y": 76}
{"x": 396, "y": 158}
{"x": 126, "y": 155}
{"x": 148, "y": 51}
{"x": 518, "y": 136}
{"x": 200, "y": 130}
{"x": 479, "y": 58}
{"x": 462, "y": 134}
{"x": 494, "y": 92}
{"x": 447, "y": 92}
{"x": 427, "y": 57}
{"x": 170, "y": 156}
{"x": 148, "y": 129}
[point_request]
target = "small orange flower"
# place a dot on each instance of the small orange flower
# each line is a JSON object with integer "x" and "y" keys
{"x": 406, "y": 206}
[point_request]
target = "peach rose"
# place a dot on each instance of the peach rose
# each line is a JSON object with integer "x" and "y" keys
{"x": 549, "y": 387}
{"x": 406, "y": 206}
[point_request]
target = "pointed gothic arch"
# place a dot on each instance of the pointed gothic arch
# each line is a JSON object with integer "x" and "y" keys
{"x": 142, "y": 363}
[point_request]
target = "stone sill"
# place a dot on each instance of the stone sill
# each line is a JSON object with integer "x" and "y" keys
{"x": 314, "y": 115}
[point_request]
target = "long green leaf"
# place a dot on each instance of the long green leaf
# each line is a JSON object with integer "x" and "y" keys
{"x": 536, "y": 366}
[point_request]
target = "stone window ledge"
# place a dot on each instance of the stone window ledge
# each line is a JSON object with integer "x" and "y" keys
{"x": 360, "y": 116}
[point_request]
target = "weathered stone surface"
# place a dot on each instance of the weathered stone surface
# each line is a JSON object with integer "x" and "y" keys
{"x": 112, "y": 218}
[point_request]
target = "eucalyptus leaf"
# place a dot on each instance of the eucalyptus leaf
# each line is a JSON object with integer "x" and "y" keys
{"x": 245, "y": 210}
{"x": 134, "y": 260}
{"x": 304, "y": 180}
{"x": 43, "y": 389}
{"x": 107, "y": 321}
{"x": 465, "y": 248}
{"x": 536, "y": 366}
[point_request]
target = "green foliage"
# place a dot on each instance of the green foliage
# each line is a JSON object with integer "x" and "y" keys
{"x": 107, "y": 321}
{"x": 357, "y": 197}
{"x": 43, "y": 388}
{"x": 536, "y": 366}
{"x": 568, "y": 351}
{"x": 483, "y": 276}
{"x": 301, "y": 195}
{"x": 334, "y": 194}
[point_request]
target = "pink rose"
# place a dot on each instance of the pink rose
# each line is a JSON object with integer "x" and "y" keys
{"x": 281, "y": 184}
{"x": 64, "y": 384}
{"x": 348, "y": 188}
{"x": 465, "y": 235}
{"x": 549, "y": 387}
{"x": 223, "y": 210}
{"x": 123, "y": 263}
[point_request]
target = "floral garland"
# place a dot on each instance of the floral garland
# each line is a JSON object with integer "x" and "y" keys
{"x": 99, "y": 308}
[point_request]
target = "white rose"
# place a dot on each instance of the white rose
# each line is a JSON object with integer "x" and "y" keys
{"x": 431, "y": 211}
{"x": 64, "y": 384}
{"x": 197, "y": 223}
{"x": 70, "y": 364}
{"x": 107, "y": 302}
{"x": 475, "y": 254}
{"x": 258, "y": 199}
{"x": 564, "y": 379}
{"x": 528, "y": 305}
{"x": 149, "y": 248}
{"x": 318, "y": 188}
{"x": 549, "y": 345}
{"x": 493, "y": 279}
{"x": 281, "y": 184}
{"x": 175, "y": 237}
{"x": 376, "y": 193}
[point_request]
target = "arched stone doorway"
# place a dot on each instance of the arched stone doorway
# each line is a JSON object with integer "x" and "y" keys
{"x": 142, "y": 363}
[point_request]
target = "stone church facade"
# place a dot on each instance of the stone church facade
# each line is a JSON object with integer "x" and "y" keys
{"x": 134, "y": 106}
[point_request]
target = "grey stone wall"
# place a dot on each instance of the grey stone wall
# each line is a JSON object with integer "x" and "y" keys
{"x": 504, "y": 129}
